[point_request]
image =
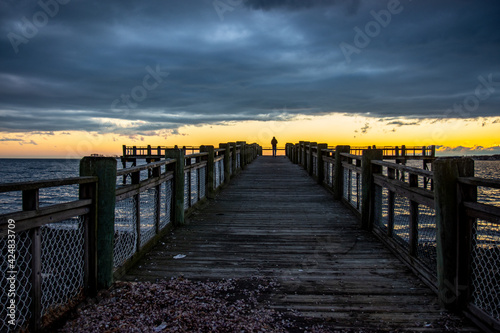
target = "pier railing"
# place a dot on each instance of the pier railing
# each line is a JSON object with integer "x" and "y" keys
{"x": 479, "y": 246}
{"x": 56, "y": 255}
{"x": 47, "y": 253}
{"x": 431, "y": 220}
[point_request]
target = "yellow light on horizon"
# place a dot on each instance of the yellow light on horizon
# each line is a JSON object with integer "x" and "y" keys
{"x": 333, "y": 129}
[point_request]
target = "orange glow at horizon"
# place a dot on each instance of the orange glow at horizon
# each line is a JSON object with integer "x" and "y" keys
{"x": 333, "y": 129}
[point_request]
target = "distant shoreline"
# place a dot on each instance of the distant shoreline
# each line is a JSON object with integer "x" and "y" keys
{"x": 485, "y": 157}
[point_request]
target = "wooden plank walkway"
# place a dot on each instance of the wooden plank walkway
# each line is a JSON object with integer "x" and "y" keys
{"x": 275, "y": 221}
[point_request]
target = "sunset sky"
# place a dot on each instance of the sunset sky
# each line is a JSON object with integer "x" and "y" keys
{"x": 81, "y": 77}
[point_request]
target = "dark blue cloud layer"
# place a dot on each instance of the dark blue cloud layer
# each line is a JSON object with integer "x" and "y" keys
{"x": 74, "y": 64}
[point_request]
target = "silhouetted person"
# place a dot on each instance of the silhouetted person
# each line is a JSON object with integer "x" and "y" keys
{"x": 274, "y": 142}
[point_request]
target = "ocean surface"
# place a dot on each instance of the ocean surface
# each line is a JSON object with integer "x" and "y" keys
{"x": 22, "y": 170}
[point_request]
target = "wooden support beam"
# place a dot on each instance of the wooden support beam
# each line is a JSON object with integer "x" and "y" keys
{"x": 320, "y": 166}
{"x": 338, "y": 172}
{"x": 446, "y": 173}
{"x": 105, "y": 169}
{"x": 368, "y": 186}
{"x": 178, "y": 155}
{"x": 210, "y": 170}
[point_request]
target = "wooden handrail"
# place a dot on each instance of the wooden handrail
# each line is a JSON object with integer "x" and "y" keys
{"x": 401, "y": 167}
{"x": 38, "y": 184}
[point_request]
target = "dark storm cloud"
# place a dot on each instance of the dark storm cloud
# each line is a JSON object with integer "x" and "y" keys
{"x": 88, "y": 65}
{"x": 350, "y": 5}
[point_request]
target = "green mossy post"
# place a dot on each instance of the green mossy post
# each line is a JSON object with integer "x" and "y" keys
{"x": 304, "y": 154}
{"x": 105, "y": 170}
{"x": 338, "y": 172}
{"x": 446, "y": 173}
{"x": 210, "y": 170}
{"x": 227, "y": 161}
{"x": 310, "y": 157}
{"x": 321, "y": 169}
{"x": 300, "y": 160}
{"x": 234, "y": 156}
{"x": 243, "y": 160}
{"x": 178, "y": 155}
{"x": 368, "y": 187}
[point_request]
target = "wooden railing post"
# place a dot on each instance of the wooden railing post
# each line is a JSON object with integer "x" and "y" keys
{"x": 338, "y": 172}
{"x": 413, "y": 232}
{"x": 310, "y": 158}
{"x": 31, "y": 202}
{"x": 227, "y": 161}
{"x": 210, "y": 170}
{"x": 466, "y": 193}
{"x": 319, "y": 162}
{"x": 304, "y": 154}
{"x": 234, "y": 156}
{"x": 178, "y": 155}
{"x": 300, "y": 158}
{"x": 89, "y": 191}
{"x": 105, "y": 170}
{"x": 446, "y": 173}
{"x": 368, "y": 186}
{"x": 242, "y": 158}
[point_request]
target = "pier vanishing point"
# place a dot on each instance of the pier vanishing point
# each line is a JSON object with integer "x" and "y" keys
{"x": 352, "y": 235}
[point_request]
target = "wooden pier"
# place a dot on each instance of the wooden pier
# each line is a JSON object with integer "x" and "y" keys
{"x": 356, "y": 238}
{"x": 276, "y": 221}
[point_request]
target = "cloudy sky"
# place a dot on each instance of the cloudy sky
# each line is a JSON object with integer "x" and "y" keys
{"x": 140, "y": 69}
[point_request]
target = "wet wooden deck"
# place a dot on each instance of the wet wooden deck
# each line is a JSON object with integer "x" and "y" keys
{"x": 275, "y": 221}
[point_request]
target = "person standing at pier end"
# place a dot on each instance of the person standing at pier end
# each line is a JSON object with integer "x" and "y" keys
{"x": 274, "y": 142}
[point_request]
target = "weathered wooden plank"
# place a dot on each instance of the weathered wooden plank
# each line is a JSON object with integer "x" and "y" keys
{"x": 275, "y": 221}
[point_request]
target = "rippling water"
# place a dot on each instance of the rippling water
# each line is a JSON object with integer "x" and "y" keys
{"x": 17, "y": 170}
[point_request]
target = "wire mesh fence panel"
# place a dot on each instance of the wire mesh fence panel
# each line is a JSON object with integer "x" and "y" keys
{"x": 216, "y": 174}
{"x": 485, "y": 268}
{"x": 186, "y": 189}
{"x": 347, "y": 185}
{"x": 352, "y": 188}
{"x": 401, "y": 220}
{"x": 329, "y": 173}
{"x": 325, "y": 173}
{"x": 194, "y": 186}
{"x": 15, "y": 282}
{"x": 222, "y": 172}
{"x": 166, "y": 203}
{"x": 125, "y": 231}
{"x": 148, "y": 207}
{"x": 202, "y": 182}
{"x": 356, "y": 196}
{"x": 381, "y": 207}
{"x": 427, "y": 244}
{"x": 62, "y": 259}
{"x": 219, "y": 173}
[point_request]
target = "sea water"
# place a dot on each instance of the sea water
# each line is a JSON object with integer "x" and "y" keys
{"x": 23, "y": 170}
